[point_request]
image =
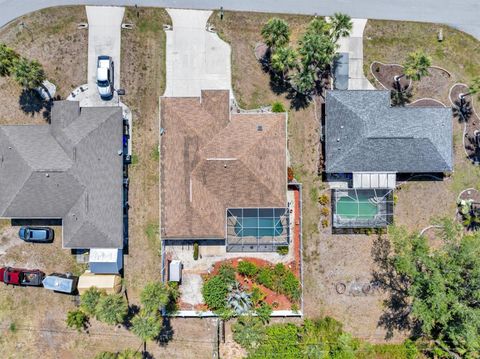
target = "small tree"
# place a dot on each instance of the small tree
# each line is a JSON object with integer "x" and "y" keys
{"x": 276, "y": 33}
{"x": 8, "y": 57}
{"x": 341, "y": 25}
{"x": 415, "y": 67}
{"x": 89, "y": 300}
{"x": 112, "y": 309}
{"x": 154, "y": 296}
{"x": 318, "y": 25}
{"x": 77, "y": 319}
{"x": 29, "y": 74}
{"x": 146, "y": 326}
{"x": 283, "y": 60}
{"x": 473, "y": 89}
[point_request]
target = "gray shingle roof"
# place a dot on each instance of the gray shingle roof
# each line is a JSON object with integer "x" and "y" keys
{"x": 364, "y": 133}
{"x": 70, "y": 170}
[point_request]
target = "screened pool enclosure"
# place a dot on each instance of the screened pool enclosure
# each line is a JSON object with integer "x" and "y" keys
{"x": 362, "y": 208}
{"x": 257, "y": 229}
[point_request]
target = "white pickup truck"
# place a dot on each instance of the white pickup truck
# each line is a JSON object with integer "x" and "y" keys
{"x": 105, "y": 77}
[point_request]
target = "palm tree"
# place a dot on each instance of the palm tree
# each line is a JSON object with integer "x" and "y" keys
{"x": 317, "y": 51}
{"x": 29, "y": 74}
{"x": 416, "y": 66}
{"x": 319, "y": 26}
{"x": 304, "y": 81}
{"x": 341, "y": 25}
{"x": 146, "y": 326}
{"x": 283, "y": 60}
{"x": 154, "y": 296}
{"x": 473, "y": 89}
{"x": 276, "y": 33}
{"x": 8, "y": 57}
{"x": 112, "y": 309}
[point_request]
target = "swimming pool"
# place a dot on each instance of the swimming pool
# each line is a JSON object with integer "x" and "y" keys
{"x": 258, "y": 227}
{"x": 360, "y": 207}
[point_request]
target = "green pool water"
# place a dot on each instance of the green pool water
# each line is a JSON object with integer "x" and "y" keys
{"x": 258, "y": 227}
{"x": 348, "y": 207}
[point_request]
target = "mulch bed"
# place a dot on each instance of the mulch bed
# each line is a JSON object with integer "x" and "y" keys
{"x": 260, "y": 51}
{"x": 385, "y": 73}
{"x": 426, "y": 102}
{"x": 435, "y": 85}
{"x": 471, "y": 120}
{"x": 282, "y": 302}
{"x": 471, "y": 194}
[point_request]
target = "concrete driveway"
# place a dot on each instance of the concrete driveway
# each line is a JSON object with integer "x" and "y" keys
{"x": 196, "y": 58}
{"x": 354, "y": 46}
{"x": 104, "y": 35}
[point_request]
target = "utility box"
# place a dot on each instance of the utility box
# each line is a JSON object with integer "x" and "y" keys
{"x": 175, "y": 271}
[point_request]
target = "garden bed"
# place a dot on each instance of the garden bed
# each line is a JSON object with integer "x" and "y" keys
{"x": 427, "y": 102}
{"x": 385, "y": 75}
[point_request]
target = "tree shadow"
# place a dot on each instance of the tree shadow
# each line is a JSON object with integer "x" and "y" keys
{"x": 32, "y": 103}
{"x": 396, "y": 315}
{"x": 462, "y": 110}
{"x": 400, "y": 98}
{"x": 298, "y": 100}
{"x": 132, "y": 311}
{"x": 166, "y": 333}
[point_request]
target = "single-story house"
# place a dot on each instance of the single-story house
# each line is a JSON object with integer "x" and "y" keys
{"x": 70, "y": 169}
{"x": 223, "y": 174}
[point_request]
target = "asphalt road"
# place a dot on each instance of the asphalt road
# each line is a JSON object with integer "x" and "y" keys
{"x": 460, "y": 14}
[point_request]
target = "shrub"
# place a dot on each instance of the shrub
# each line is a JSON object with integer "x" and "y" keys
{"x": 395, "y": 199}
{"x": 291, "y": 286}
{"x": 325, "y": 211}
{"x": 265, "y": 277}
{"x": 247, "y": 269}
{"x": 130, "y": 354}
{"x": 215, "y": 292}
{"x": 173, "y": 295}
{"x": 77, "y": 319}
{"x": 227, "y": 273}
{"x": 89, "y": 300}
{"x": 257, "y": 295}
{"x": 295, "y": 308}
{"x": 106, "y": 355}
{"x": 325, "y": 223}
{"x": 112, "y": 309}
{"x": 248, "y": 331}
{"x": 323, "y": 199}
{"x": 8, "y": 57}
{"x": 264, "y": 312}
{"x": 278, "y": 107}
{"x": 282, "y": 250}
{"x": 146, "y": 325}
{"x": 29, "y": 74}
{"x": 290, "y": 174}
{"x": 195, "y": 251}
{"x": 154, "y": 296}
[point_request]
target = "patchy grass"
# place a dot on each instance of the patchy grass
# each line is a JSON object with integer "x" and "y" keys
{"x": 155, "y": 154}
{"x": 242, "y": 31}
{"x": 143, "y": 71}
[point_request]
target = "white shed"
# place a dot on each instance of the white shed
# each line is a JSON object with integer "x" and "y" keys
{"x": 106, "y": 260}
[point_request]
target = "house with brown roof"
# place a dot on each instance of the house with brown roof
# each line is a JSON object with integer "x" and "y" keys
{"x": 223, "y": 174}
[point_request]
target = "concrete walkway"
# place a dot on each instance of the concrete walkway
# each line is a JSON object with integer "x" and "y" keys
{"x": 196, "y": 59}
{"x": 354, "y": 46}
{"x": 104, "y": 36}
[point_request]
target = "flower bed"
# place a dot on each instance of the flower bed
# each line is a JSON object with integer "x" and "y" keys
{"x": 266, "y": 285}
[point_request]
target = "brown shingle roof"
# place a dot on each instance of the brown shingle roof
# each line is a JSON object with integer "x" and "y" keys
{"x": 212, "y": 160}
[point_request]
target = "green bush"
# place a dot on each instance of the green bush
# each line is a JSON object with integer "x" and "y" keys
{"x": 248, "y": 331}
{"x": 215, "y": 292}
{"x": 112, "y": 309}
{"x": 278, "y": 107}
{"x": 106, "y": 355}
{"x": 257, "y": 295}
{"x": 8, "y": 58}
{"x": 282, "y": 250}
{"x": 130, "y": 354}
{"x": 265, "y": 277}
{"x": 77, "y": 319}
{"x": 247, "y": 269}
{"x": 89, "y": 300}
{"x": 154, "y": 296}
{"x": 227, "y": 273}
{"x": 264, "y": 312}
{"x": 195, "y": 251}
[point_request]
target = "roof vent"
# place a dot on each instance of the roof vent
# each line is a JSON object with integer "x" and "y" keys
{"x": 338, "y": 140}
{"x": 259, "y": 128}
{"x": 47, "y": 175}
{"x": 341, "y": 126}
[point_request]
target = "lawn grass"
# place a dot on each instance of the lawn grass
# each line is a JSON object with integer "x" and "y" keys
{"x": 143, "y": 74}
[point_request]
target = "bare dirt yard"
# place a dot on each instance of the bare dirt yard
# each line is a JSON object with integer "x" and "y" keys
{"x": 51, "y": 37}
{"x": 32, "y": 320}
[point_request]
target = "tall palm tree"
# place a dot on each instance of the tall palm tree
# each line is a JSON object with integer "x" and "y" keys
{"x": 276, "y": 33}
{"x": 29, "y": 74}
{"x": 341, "y": 25}
{"x": 473, "y": 89}
{"x": 415, "y": 67}
{"x": 283, "y": 60}
{"x": 317, "y": 51}
{"x": 304, "y": 81}
{"x": 8, "y": 57}
{"x": 318, "y": 25}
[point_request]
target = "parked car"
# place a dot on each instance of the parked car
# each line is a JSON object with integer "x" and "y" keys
{"x": 105, "y": 77}
{"x": 19, "y": 276}
{"x": 36, "y": 234}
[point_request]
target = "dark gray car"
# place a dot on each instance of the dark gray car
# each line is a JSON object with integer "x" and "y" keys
{"x": 36, "y": 234}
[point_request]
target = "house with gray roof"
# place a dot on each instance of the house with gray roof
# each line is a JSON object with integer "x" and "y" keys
{"x": 70, "y": 169}
{"x": 364, "y": 133}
